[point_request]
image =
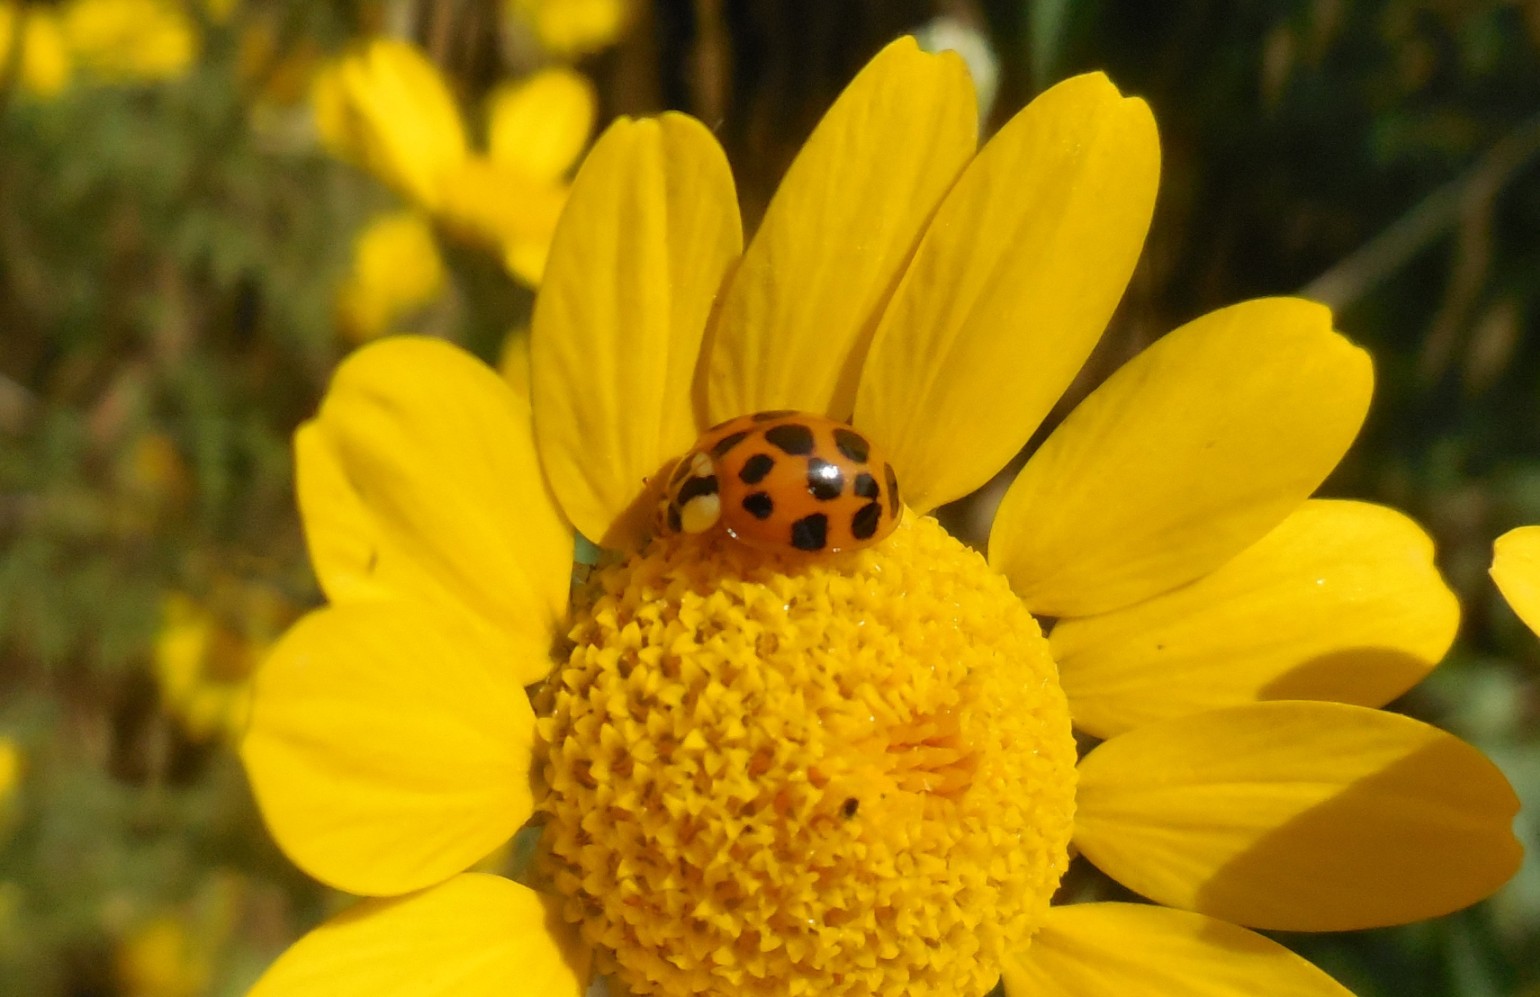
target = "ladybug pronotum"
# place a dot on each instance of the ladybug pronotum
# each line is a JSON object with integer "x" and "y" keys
{"x": 783, "y": 479}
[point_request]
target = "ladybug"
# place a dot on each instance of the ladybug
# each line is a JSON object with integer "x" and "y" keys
{"x": 783, "y": 479}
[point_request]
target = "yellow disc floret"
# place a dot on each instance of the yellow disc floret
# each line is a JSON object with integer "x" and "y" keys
{"x": 847, "y": 774}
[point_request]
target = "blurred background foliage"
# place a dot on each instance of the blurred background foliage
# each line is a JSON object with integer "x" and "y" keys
{"x": 198, "y": 219}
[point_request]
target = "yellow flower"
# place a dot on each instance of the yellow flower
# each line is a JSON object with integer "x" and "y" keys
{"x": 110, "y": 41}
{"x": 176, "y": 951}
{"x": 129, "y": 40}
{"x": 282, "y": 77}
{"x": 154, "y": 472}
{"x": 160, "y": 959}
{"x": 570, "y": 28}
{"x": 207, "y": 650}
{"x": 387, "y": 109}
{"x": 44, "y": 59}
{"x": 853, "y": 773}
{"x": 396, "y": 271}
{"x": 10, "y": 769}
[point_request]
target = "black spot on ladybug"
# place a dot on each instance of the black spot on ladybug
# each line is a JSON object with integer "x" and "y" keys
{"x": 852, "y": 444}
{"x": 794, "y": 438}
{"x": 850, "y": 806}
{"x": 893, "y": 504}
{"x": 695, "y": 488}
{"x": 726, "y": 443}
{"x": 759, "y": 505}
{"x": 779, "y": 413}
{"x": 866, "y": 520}
{"x": 674, "y": 523}
{"x": 755, "y": 468}
{"x": 865, "y": 486}
{"x": 810, "y": 532}
{"x": 824, "y": 480}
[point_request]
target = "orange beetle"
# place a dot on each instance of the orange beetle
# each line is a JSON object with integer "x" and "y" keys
{"x": 783, "y": 480}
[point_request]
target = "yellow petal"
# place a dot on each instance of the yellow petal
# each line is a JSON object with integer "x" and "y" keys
{"x": 389, "y": 746}
{"x": 525, "y": 260}
{"x": 441, "y": 452}
{"x": 1136, "y": 950}
{"x": 501, "y": 209}
{"x": 343, "y": 539}
{"x": 388, "y": 109}
{"x": 538, "y": 126}
{"x": 1183, "y": 458}
{"x": 571, "y": 28}
{"x": 127, "y": 40}
{"x": 802, "y": 306}
{"x": 1010, "y": 288}
{"x": 1298, "y": 816}
{"x": 1340, "y": 602}
{"x": 354, "y": 559}
{"x": 1516, "y": 570}
{"x": 473, "y": 936}
{"x": 334, "y": 124}
{"x": 396, "y": 271}
{"x": 651, "y": 227}
{"x": 44, "y": 62}
{"x": 513, "y": 360}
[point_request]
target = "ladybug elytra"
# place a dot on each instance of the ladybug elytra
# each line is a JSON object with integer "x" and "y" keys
{"x": 783, "y": 479}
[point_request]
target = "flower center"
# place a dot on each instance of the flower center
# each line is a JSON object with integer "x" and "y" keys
{"x": 839, "y": 774}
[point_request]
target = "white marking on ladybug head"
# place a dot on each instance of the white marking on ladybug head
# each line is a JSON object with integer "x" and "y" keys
{"x": 700, "y": 513}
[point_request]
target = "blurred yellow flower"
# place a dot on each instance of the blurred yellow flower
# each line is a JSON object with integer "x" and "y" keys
{"x": 175, "y": 951}
{"x": 10, "y": 769}
{"x": 43, "y": 66}
{"x": 396, "y": 271}
{"x": 569, "y": 28}
{"x": 388, "y": 110}
{"x": 277, "y": 76}
{"x": 153, "y": 470}
{"x": 207, "y": 650}
{"x": 10, "y": 778}
{"x": 127, "y": 40}
{"x": 161, "y": 959}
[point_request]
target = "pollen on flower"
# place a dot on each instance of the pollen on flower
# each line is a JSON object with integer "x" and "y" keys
{"x": 838, "y": 775}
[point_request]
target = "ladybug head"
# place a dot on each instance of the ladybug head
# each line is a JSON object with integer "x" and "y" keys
{"x": 690, "y": 503}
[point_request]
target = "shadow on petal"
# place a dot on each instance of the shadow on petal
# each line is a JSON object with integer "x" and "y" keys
{"x": 1428, "y": 835}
